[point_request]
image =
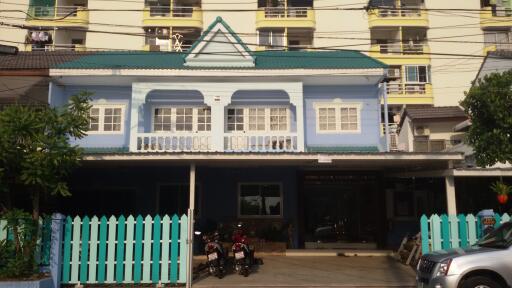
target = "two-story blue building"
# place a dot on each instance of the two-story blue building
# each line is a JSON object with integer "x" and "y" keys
{"x": 288, "y": 141}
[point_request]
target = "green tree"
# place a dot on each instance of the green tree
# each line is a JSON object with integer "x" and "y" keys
{"x": 35, "y": 153}
{"x": 489, "y": 106}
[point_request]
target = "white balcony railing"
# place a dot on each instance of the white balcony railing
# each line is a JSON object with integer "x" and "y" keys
{"x": 167, "y": 142}
{"x": 167, "y": 11}
{"x": 290, "y": 12}
{"x": 402, "y": 48}
{"x": 261, "y": 143}
{"x": 409, "y": 11}
{"x": 58, "y": 47}
{"x": 401, "y": 88}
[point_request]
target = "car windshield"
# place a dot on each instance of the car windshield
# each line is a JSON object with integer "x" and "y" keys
{"x": 499, "y": 238}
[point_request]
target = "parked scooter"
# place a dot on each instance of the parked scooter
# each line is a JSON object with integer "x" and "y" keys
{"x": 215, "y": 254}
{"x": 244, "y": 255}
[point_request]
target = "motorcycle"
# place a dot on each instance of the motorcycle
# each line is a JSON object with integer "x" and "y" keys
{"x": 215, "y": 254}
{"x": 244, "y": 255}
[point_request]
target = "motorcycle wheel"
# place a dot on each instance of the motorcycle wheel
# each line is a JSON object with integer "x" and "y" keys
{"x": 245, "y": 272}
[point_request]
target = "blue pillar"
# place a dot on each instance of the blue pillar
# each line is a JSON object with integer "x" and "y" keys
{"x": 56, "y": 248}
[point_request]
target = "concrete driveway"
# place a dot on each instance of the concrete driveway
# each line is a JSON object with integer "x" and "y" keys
{"x": 283, "y": 271}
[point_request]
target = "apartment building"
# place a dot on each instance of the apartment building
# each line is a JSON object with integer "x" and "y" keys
{"x": 421, "y": 40}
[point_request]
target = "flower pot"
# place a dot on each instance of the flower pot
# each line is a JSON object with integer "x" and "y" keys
{"x": 502, "y": 198}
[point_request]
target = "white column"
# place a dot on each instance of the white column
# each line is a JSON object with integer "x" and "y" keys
{"x": 297, "y": 100}
{"x": 192, "y": 201}
{"x": 450, "y": 195}
{"x": 217, "y": 102}
{"x": 138, "y": 99}
{"x": 386, "y": 114}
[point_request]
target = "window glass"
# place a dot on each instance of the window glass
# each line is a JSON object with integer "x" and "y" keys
{"x": 163, "y": 119}
{"x": 235, "y": 119}
{"x": 184, "y": 119}
{"x": 348, "y": 119}
{"x": 94, "y": 119}
{"x": 264, "y": 38}
{"x": 327, "y": 119}
{"x": 257, "y": 119}
{"x": 260, "y": 200}
{"x": 278, "y": 119}
{"x": 411, "y": 73}
{"x": 422, "y": 74}
{"x": 204, "y": 119}
{"x": 105, "y": 119}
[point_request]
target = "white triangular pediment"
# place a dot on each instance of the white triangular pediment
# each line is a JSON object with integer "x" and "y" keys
{"x": 219, "y": 48}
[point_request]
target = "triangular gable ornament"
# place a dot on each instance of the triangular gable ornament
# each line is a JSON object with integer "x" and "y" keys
{"x": 219, "y": 46}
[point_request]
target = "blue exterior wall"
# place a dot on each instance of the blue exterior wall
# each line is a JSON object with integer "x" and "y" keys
{"x": 367, "y": 96}
{"x": 101, "y": 95}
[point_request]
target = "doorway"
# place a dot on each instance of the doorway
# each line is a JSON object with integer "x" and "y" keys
{"x": 340, "y": 210}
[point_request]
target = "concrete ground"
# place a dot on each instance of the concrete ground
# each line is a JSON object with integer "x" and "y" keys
{"x": 311, "y": 271}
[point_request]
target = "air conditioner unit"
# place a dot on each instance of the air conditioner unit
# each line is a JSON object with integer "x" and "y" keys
{"x": 394, "y": 72}
{"x": 421, "y": 131}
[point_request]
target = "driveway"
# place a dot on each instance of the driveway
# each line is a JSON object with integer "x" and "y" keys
{"x": 283, "y": 271}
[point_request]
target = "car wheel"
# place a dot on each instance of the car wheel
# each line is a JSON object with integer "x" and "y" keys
{"x": 480, "y": 282}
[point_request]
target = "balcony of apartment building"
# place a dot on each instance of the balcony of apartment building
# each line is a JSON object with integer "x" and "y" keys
{"x": 409, "y": 84}
{"x": 55, "y": 40}
{"x": 285, "y": 14}
{"x": 173, "y": 39}
{"x": 396, "y": 13}
{"x": 173, "y": 13}
{"x": 497, "y": 40}
{"x": 58, "y": 13}
{"x": 291, "y": 39}
{"x": 400, "y": 45}
{"x": 424, "y": 144}
{"x": 495, "y": 13}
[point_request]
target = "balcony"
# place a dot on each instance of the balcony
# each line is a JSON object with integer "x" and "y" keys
{"x": 396, "y": 17}
{"x": 401, "y": 53}
{"x": 497, "y": 47}
{"x": 410, "y": 93}
{"x": 202, "y": 142}
{"x": 174, "y": 16}
{"x": 286, "y": 142}
{"x": 500, "y": 18}
{"x": 282, "y": 17}
{"x": 52, "y": 16}
{"x": 438, "y": 145}
{"x": 56, "y": 47}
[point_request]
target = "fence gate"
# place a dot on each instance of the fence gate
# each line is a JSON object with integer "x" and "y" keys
{"x": 445, "y": 232}
{"x": 125, "y": 250}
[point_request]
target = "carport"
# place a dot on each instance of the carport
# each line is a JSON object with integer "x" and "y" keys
{"x": 309, "y": 271}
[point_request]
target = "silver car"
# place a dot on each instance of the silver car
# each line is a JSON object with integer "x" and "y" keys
{"x": 487, "y": 264}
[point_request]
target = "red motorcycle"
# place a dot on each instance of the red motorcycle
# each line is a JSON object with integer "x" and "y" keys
{"x": 215, "y": 255}
{"x": 244, "y": 255}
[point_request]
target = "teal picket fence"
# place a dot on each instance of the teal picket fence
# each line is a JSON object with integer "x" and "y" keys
{"x": 453, "y": 231}
{"x": 125, "y": 250}
{"x": 43, "y": 243}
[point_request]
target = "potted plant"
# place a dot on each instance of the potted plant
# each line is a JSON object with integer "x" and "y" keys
{"x": 502, "y": 190}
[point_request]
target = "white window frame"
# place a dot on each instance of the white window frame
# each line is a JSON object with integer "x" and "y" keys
{"x": 337, "y": 108}
{"x": 260, "y": 216}
{"x": 101, "y": 127}
{"x": 267, "y": 129}
{"x": 173, "y": 108}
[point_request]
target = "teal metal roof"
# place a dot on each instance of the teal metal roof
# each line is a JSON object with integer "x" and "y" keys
{"x": 339, "y": 59}
{"x": 342, "y": 59}
{"x": 342, "y": 149}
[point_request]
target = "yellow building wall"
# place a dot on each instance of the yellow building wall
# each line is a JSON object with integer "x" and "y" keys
{"x": 13, "y": 36}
